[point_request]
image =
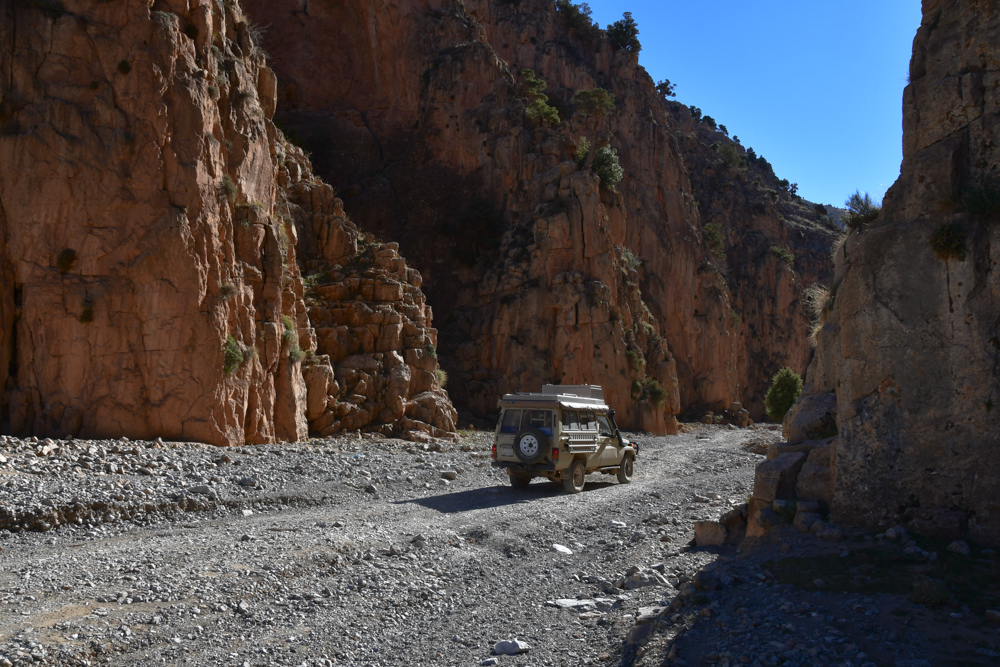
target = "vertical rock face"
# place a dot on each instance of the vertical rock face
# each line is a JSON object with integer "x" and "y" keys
{"x": 415, "y": 109}
{"x": 149, "y": 218}
{"x": 911, "y": 346}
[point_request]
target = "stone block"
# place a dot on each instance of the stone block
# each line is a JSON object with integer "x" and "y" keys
{"x": 709, "y": 533}
{"x": 775, "y": 479}
{"x": 813, "y": 416}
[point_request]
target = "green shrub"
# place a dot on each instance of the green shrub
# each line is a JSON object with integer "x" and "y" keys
{"x": 539, "y": 108}
{"x": 666, "y": 89}
{"x": 624, "y": 34}
{"x": 577, "y": 18}
{"x": 786, "y": 385}
{"x": 708, "y": 120}
{"x": 607, "y": 167}
{"x": 66, "y": 260}
{"x": 431, "y": 350}
{"x": 635, "y": 359}
{"x": 234, "y": 355}
{"x": 730, "y": 155}
{"x": 716, "y": 241}
{"x": 948, "y": 242}
{"x": 290, "y": 334}
{"x": 630, "y": 258}
{"x": 442, "y": 377}
{"x": 227, "y": 187}
{"x": 786, "y": 255}
{"x": 296, "y": 353}
{"x": 734, "y": 320}
{"x": 861, "y": 210}
{"x": 654, "y": 392}
{"x": 594, "y": 102}
{"x": 819, "y": 208}
{"x": 582, "y": 151}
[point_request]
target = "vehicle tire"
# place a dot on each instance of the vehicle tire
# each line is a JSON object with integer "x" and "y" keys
{"x": 625, "y": 469}
{"x": 518, "y": 481}
{"x": 574, "y": 477}
{"x": 530, "y": 445}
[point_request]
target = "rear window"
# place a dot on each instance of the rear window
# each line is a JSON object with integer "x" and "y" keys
{"x": 587, "y": 421}
{"x": 570, "y": 421}
{"x": 540, "y": 419}
{"x": 510, "y": 421}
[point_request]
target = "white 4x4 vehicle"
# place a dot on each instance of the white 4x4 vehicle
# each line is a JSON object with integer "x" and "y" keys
{"x": 562, "y": 434}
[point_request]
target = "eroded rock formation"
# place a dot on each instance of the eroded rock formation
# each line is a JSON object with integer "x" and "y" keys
{"x": 909, "y": 354}
{"x": 415, "y": 109}
{"x": 150, "y": 214}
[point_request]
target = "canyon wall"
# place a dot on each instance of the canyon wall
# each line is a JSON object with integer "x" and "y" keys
{"x": 910, "y": 348}
{"x": 416, "y": 111}
{"x": 150, "y": 221}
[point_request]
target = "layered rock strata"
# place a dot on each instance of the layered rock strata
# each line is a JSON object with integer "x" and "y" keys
{"x": 908, "y": 363}
{"x": 150, "y": 284}
{"x": 415, "y": 109}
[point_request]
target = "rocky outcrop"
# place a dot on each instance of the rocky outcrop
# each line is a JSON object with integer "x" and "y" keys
{"x": 910, "y": 344}
{"x": 150, "y": 215}
{"x": 416, "y": 110}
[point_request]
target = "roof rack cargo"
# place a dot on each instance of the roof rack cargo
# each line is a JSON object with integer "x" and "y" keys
{"x": 580, "y": 390}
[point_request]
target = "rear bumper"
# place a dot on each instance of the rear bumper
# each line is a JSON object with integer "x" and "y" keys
{"x": 517, "y": 466}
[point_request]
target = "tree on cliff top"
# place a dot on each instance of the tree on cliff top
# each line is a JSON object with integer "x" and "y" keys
{"x": 539, "y": 108}
{"x": 666, "y": 89}
{"x": 577, "y": 18}
{"x": 624, "y": 34}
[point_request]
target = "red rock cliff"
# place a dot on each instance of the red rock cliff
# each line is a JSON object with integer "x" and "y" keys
{"x": 415, "y": 109}
{"x": 149, "y": 218}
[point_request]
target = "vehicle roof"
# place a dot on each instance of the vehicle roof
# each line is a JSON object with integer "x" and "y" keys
{"x": 551, "y": 400}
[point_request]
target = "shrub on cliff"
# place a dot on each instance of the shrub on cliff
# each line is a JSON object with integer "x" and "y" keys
{"x": 666, "y": 89}
{"x": 577, "y": 18}
{"x": 607, "y": 167}
{"x": 624, "y": 34}
{"x": 786, "y": 385}
{"x": 539, "y": 108}
{"x": 594, "y": 103}
{"x": 716, "y": 241}
{"x": 948, "y": 242}
{"x": 861, "y": 210}
{"x": 234, "y": 355}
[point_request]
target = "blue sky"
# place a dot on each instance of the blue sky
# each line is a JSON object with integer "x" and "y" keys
{"x": 815, "y": 87}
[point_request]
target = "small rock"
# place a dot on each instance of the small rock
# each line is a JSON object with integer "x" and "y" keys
{"x": 959, "y": 547}
{"x": 449, "y": 474}
{"x": 371, "y": 488}
{"x": 509, "y": 647}
{"x": 202, "y": 489}
{"x": 560, "y": 549}
{"x": 489, "y": 662}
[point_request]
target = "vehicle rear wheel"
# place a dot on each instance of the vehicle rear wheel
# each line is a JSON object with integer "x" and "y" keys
{"x": 518, "y": 481}
{"x": 530, "y": 445}
{"x": 574, "y": 477}
{"x": 625, "y": 469}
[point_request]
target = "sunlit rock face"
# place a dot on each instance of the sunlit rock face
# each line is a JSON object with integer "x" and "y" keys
{"x": 150, "y": 215}
{"x": 415, "y": 111}
{"x": 911, "y": 347}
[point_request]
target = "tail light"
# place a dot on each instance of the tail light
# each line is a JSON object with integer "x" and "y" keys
{"x": 494, "y": 451}
{"x": 555, "y": 453}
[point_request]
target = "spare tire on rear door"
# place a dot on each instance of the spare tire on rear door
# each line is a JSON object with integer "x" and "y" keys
{"x": 530, "y": 445}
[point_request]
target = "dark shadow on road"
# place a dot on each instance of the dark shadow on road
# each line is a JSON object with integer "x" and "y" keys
{"x": 495, "y": 496}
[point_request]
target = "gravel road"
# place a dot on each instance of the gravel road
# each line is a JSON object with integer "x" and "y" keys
{"x": 353, "y": 550}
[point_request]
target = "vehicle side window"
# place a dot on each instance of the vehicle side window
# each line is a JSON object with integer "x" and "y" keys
{"x": 587, "y": 421}
{"x": 570, "y": 422}
{"x": 604, "y": 427}
{"x": 510, "y": 421}
{"x": 540, "y": 419}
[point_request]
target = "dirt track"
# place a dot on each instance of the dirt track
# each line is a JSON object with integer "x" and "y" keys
{"x": 346, "y": 578}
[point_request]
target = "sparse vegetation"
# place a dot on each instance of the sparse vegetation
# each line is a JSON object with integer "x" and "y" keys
{"x": 654, "y": 392}
{"x": 227, "y": 187}
{"x": 786, "y": 385}
{"x": 577, "y": 18}
{"x": 581, "y": 152}
{"x": 818, "y": 302}
{"x": 442, "y": 377}
{"x": 289, "y": 334}
{"x": 948, "y": 242}
{"x": 716, "y": 241}
{"x": 624, "y": 34}
{"x": 233, "y": 355}
{"x": 630, "y": 258}
{"x": 607, "y": 167}
{"x": 734, "y": 320}
{"x": 594, "y": 103}
{"x": 538, "y": 108}
{"x": 635, "y": 359}
{"x": 228, "y": 291}
{"x": 666, "y": 89}
{"x": 861, "y": 210}
{"x": 784, "y": 254}
{"x": 66, "y": 260}
{"x": 430, "y": 349}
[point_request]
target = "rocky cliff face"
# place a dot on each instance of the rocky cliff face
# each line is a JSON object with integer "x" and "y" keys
{"x": 910, "y": 348}
{"x": 415, "y": 109}
{"x": 150, "y": 215}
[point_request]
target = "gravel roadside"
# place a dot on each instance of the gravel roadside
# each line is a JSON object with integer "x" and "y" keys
{"x": 353, "y": 550}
